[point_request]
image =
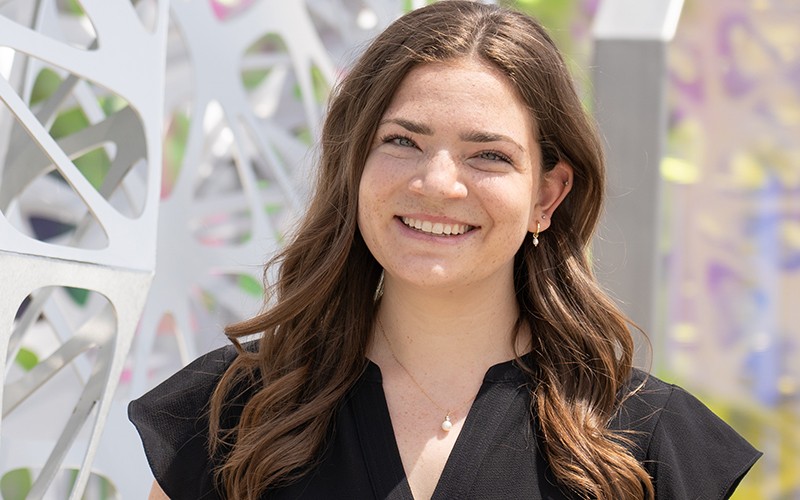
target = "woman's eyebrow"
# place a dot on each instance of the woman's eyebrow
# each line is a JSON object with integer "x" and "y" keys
{"x": 480, "y": 136}
{"x": 414, "y": 127}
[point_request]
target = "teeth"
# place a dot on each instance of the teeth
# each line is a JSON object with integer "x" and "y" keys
{"x": 436, "y": 228}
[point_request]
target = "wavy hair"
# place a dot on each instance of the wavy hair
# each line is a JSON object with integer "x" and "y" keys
{"x": 315, "y": 333}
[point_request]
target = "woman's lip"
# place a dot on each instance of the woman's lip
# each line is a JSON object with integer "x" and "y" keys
{"x": 434, "y": 228}
{"x": 434, "y": 219}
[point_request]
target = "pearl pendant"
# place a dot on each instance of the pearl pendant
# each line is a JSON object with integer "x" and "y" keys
{"x": 447, "y": 424}
{"x": 535, "y": 241}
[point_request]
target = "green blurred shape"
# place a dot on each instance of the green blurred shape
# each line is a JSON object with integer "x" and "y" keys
{"x": 321, "y": 86}
{"x": 74, "y": 7}
{"x": 79, "y": 295}
{"x": 68, "y": 122}
{"x": 250, "y": 285}
{"x": 112, "y": 103}
{"x": 252, "y": 78}
{"x": 47, "y": 82}
{"x": 27, "y": 359}
{"x": 15, "y": 484}
{"x": 304, "y": 135}
{"x": 557, "y": 17}
{"x": 175, "y": 144}
{"x": 270, "y": 43}
{"x": 95, "y": 164}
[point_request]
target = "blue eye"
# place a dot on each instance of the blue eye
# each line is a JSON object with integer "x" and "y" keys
{"x": 495, "y": 156}
{"x": 400, "y": 140}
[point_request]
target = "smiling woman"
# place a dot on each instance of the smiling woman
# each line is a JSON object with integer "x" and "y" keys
{"x": 444, "y": 157}
{"x": 435, "y": 330}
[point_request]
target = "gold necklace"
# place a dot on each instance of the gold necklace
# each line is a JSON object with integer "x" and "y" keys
{"x": 446, "y": 423}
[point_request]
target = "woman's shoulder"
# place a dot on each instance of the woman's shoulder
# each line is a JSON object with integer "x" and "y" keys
{"x": 686, "y": 448}
{"x": 172, "y": 421}
{"x": 190, "y": 387}
{"x": 644, "y": 397}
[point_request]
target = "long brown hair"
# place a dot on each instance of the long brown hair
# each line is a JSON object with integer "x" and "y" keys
{"x": 318, "y": 324}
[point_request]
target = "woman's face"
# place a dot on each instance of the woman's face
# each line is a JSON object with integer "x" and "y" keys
{"x": 450, "y": 185}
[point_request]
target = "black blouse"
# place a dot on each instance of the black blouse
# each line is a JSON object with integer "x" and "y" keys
{"x": 687, "y": 450}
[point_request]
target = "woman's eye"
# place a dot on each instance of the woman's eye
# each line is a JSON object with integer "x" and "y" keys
{"x": 495, "y": 156}
{"x": 401, "y": 141}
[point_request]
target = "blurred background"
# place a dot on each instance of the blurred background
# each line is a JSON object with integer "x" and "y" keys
{"x": 244, "y": 85}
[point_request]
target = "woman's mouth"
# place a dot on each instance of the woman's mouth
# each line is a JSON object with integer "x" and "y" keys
{"x": 436, "y": 228}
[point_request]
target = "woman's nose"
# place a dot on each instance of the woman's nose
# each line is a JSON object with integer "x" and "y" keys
{"x": 439, "y": 176}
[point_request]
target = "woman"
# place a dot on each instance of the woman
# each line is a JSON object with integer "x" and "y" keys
{"x": 435, "y": 330}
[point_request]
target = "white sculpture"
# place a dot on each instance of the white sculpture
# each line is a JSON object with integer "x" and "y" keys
{"x": 109, "y": 246}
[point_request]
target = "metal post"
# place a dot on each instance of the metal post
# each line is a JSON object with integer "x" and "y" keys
{"x": 631, "y": 38}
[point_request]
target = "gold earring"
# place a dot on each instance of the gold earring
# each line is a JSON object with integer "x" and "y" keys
{"x": 536, "y": 235}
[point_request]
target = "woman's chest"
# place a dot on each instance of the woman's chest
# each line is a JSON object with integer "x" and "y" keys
{"x": 423, "y": 446}
{"x": 373, "y": 454}
{"x": 425, "y": 432}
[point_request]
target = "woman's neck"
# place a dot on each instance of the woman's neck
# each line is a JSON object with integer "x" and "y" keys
{"x": 447, "y": 333}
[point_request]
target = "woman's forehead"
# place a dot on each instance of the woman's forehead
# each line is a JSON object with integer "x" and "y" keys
{"x": 461, "y": 89}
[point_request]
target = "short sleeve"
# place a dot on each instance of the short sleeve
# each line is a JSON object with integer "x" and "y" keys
{"x": 694, "y": 454}
{"x": 172, "y": 422}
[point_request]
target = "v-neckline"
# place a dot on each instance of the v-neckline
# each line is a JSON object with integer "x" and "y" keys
{"x": 382, "y": 454}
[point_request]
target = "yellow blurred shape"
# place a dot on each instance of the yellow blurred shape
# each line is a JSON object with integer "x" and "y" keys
{"x": 786, "y": 104}
{"x": 750, "y": 54}
{"x": 747, "y": 171}
{"x": 791, "y": 233}
{"x": 686, "y": 140}
{"x": 782, "y": 37}
{"x": 787, "y": 385}
{"x": 709, "y": 225}
{"x": 785, "y": 162}
{"x": 691, "y": 289}
{"x": 679, "y": 171}
{"x": 684, "y": 332}
{"x": 682, "y": 64}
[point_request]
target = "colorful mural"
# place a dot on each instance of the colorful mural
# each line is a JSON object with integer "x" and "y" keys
{"x": 732, "y": 229}
{"x": 730, "y": 329}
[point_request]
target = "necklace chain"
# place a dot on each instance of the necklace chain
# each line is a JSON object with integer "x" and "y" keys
{"x": 446, "y": 423}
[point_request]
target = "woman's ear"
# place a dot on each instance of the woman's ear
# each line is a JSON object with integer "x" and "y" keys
{"x": 554, "y": 186}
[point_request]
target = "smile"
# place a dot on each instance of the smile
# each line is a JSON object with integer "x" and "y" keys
{"x": 437, "y": 228}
